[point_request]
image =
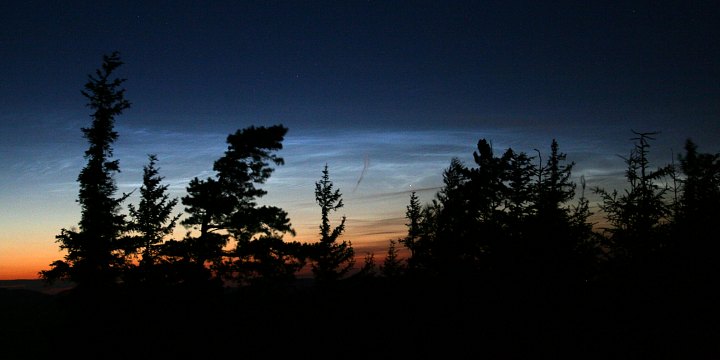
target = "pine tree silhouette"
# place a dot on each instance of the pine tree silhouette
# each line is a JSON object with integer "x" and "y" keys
{"x": 225, "y": 209}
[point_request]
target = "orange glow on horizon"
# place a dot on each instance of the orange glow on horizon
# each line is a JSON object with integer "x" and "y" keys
{"x": 23, "y": 257}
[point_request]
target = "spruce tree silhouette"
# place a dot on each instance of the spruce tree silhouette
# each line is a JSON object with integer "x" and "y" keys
{"x": 636, "y": 217}
{"x": 587, "y": 244}
{"x": 516, "y": 249}
{"x": 392, "y": 266}
{"x": 455, "y": 231}
{"x": 486, "y": 193}
{"x": 555, "y": 240}
{"x": 520, "y": 194}
{"x": 369, "y": 268}
{"x": 455, "y": 248}
{"x": 332, "y": 260}
{"x": 413, "y": 213}
{"x": 697, "y": 216}
{"x": 554, "y": 185}
{"x": 92, "y": 258}
{"x": 150, "y": 223}
{"x": 423, "y": 259}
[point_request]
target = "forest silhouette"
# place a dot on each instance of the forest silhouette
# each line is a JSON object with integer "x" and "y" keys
{"x": 503, "y": 262}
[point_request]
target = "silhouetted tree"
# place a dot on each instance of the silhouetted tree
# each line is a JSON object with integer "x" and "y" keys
{"x": 487, "y": 200}
{"x": 506, "y": 214}
{"x": 698, "y": 215}
{"x": 92, "y": 251}
{"x": 413, "y": 214}
{"x": 206, "y": 204}
{"x": 487, "y": 191}
{"x": 455, "y": 248}
{"x": 424, "y": 258}
{"x": 246, "y": 165}
{"x": 224, "y": 208}
{"x": 520, "y": 195}
{"x": 515, "y": 247}
{"x": 560, "y": 239}
{"x": 392, "y": 265}
{"x": 269, "y": 259}
{"x": 369, "y": 268}
{"x": 554, "y": 186}
{"x": 456, "y": 230}
{"x": 151, "y": 221}
{"x": 587, "y": 244}
{"x": 636, "y": 216}
{"x": 332, "y": 259}
{"x": 701, "y": 185}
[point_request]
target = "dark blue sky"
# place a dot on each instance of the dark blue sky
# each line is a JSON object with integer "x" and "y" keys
{"x": 406, "y": 85}
{"x": 314, "y": 64}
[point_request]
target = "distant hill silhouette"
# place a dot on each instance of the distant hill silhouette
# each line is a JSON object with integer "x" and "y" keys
{"x": 36, "y": 285}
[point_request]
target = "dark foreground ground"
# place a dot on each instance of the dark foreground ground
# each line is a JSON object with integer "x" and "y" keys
{"x": 360, "y": 320}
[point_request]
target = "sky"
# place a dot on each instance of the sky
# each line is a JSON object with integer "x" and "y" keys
{"x": 385, "y": 93}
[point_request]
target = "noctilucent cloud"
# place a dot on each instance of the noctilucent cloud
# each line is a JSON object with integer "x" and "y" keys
{"x": 385, "y": 93}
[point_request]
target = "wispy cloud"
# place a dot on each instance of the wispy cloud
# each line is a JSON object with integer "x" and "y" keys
{"x": 375, "y": 192}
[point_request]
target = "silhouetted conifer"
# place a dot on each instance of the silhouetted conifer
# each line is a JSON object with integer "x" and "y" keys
{"x": 698, "y": 214}
{"x": 587, "y": 244}
{"x": 246, "y": 165}
{"x": 92, "y": 251}
{"x": 701, "y": 185}
{"x": 269, "y": 259}
{"x": 206, "y": 204}
{"x": 332, "y": 259}
{"x": 486, "y": 192}
{"x": 151, "y": 221}
{"x": 413, "y": 214}
{"x": 392, "y": 265}
{"x": 455, "y": 247}
{"x": 636, "y": 216}
{"x": 559, "y": 238}
{"x": 224, "y": 208}
{"x": 423, "y": 258}
{"x": 369, "y": 268}
{"x": 519, "y": 196}
{"x": 555, "y": 188}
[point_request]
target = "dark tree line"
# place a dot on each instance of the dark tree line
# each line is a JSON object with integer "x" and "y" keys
{"x": 522, "y": 220}
{"x": 512, "y": 215}
{"x": 514, "y": 218}
{"x": 504, "y": 259}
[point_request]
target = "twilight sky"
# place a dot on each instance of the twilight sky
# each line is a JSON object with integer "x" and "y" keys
{"x": 400, "y": 86}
